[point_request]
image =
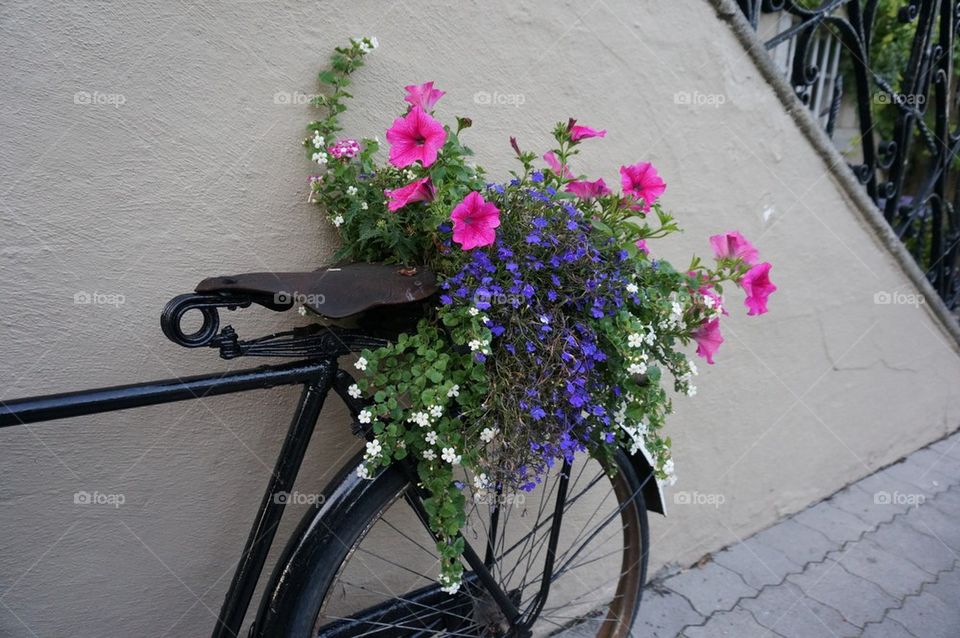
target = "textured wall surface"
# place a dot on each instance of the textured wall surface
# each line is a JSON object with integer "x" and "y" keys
{"x": 148, "y": 145}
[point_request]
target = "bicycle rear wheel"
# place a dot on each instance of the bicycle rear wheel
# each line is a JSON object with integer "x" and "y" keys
{"x": 378, "y": 579}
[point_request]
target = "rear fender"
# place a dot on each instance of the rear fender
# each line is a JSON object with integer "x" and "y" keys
{"x": 650, "y": 484}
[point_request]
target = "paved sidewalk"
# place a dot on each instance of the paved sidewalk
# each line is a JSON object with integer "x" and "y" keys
{"x": 880, "y": 558}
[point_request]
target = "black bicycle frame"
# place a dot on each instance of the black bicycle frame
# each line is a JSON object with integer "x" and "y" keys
{"x": 319, "y": 347}
{"x": 317, "y": 378}
{"x": 317, "y": 372}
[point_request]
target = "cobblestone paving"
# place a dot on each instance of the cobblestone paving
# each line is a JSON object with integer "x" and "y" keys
{"x": 880, "y": 558}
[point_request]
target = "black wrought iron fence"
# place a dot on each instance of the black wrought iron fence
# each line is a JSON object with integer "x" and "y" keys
{"x": 889, "y": 68}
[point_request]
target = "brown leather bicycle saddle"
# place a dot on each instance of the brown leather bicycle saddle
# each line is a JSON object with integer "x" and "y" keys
{"x": 334, "y": 291}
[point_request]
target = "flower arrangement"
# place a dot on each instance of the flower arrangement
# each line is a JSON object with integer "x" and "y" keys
{"x": 556, "y": 332}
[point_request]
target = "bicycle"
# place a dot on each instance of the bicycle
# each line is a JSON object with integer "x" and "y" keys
{"x": 359, "y": 563}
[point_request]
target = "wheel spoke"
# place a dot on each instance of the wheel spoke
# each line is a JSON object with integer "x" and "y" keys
{"x": 568, "y": 534}
{"x": 407, "y": 601}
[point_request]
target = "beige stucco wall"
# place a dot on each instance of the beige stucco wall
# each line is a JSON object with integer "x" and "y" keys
{"x": 198, "y": 172}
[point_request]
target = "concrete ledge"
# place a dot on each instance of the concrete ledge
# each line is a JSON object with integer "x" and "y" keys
{"x": 729, "y": 12}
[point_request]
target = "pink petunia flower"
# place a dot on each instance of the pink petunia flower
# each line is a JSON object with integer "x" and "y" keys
{"x": 708, "y": 339}
{"x": 423, "y": 95}
{"x": 642, "y": 181}
{"x": 416, "y": 137}
{"x": 474, "y": 221}
{"x": 641, "y": 245}
{"x": 707, "y": 290}
{"x": 756, "y": 283}
{"x": 733, "y": 245}
{"x": 588, "y": 190}
{"x": 560, "y": 169}
{"x": 420, "y": 190}
{"x": 578, "y": 132}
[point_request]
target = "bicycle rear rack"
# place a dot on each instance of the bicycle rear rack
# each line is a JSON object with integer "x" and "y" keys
{"x": 313, "y": 341}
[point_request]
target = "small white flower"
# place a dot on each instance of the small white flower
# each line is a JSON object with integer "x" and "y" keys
{"x": 709, "y": 302}
{"x": 473, "y": 312}
{"x": 409, "y": 174}
{"x": 361, "y": 363}
{"x": 364, "y": 206}
{"x": 691, "y": 390}
{"x": 693, "y": 368}
{"x": 454, "y": 391}
{"x": 420, "y": 418}
{"x": 475, "y": 345}
{"x": 633, "y": 289}
{"x": 450, "y": 455}
{"x": 302, "y": 310}
{"x": 669, "y": 471}
{"x": 436, "y": 411}
{"x": 650, "y": 337}
{"x": 487, "y": 434}
{"x": 374, "y": 448}
{"x": 481, "y": 482}
{"x": 620, "y": 416}
{"x": 451, "y": 589}
{"x": 430, "y": 437}
{"x": 374, "y": 42}
{"x": 363, "y": 472}
{"x": 317, "y": 140}
{"x": 635, "y": 340}
{"x": 430, "y": 455}
{"x": 338, "y": 221}
{"x": 354, "y": 391}
{"x": 351, "y": 190}
{"x": 365, "y": 416}
{"x": 637, "y": 368}
{"x": 544, "y": 319}
{"x": 320, "y": 158}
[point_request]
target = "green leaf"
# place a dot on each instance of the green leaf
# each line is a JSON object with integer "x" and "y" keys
{"x": 599, "y": 225}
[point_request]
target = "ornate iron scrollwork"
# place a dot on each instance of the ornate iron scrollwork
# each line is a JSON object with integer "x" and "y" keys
{"x": 909, "y": 170}
{"x": 309, "y": 341}
{"x": 208, "y": 305}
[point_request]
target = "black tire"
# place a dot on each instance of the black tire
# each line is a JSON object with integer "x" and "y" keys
{"x": 370, "y": 503}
